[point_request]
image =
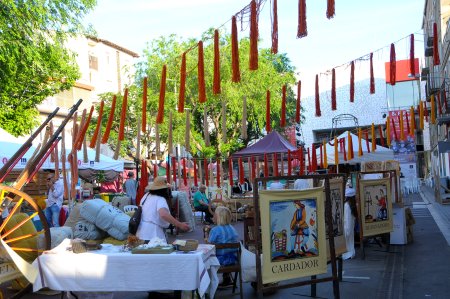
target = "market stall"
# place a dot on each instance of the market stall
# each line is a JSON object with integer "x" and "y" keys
{"x": 64, "y": 270}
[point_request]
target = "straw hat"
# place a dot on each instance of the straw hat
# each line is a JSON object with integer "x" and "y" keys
{"x": 159, "y": 183}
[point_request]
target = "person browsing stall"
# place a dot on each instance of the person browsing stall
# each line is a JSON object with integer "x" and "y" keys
{"x": 54, "y": 199}
{"x": 155, "y": 212}
{"x": 224, "y": 232}
{"x": 201, "y": 203}
{"x": 349, "y": 221}
{"x": 130, "y": 187}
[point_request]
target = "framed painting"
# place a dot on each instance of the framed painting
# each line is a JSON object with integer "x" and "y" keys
{"x": 337, "y": 194}
{"x": 376, "y": 206}
{"x": 292, "y": 233}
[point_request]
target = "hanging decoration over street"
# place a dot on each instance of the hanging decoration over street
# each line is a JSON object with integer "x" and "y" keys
{"x": 302, "y": 30}
{"x": 253, "y": 59}
{"x": 275, "y": 27}
{"x": 318, "y": 113}
{"x": 182, "y": 92}
{"x": 201, "y": 74}
{"x": 216, "y": 81}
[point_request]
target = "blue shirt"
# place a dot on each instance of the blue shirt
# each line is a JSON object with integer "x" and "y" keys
{"x": 224, "y": 234}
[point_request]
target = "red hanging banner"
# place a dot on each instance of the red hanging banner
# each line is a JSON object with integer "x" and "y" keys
{"x": 241, "y": 172}
{"x": 372, "y": 78}
{"x": 253, "y": 58}
{"x": 380, "y": 130}
{"x": 253, "y": 168}
{"x": 436, "y": 60}
{"x": 268, "y": 129}
{"x": 393, "y": 69}
{"x": 266, "y": 166}
{"x": 330, "y": 9}
{"x": 283, "y": 107}
{"x": 218, "y": 164}
{"x": 275, "y": 28}
{"x": 302, "y": 30}
{"x": 275, "y": 164}
{"x": 313, "y": 167}
{"x": 318, "y": 113}
{"x": 216, "y": 79}
{"x": 366, "y": 134}
{"x": 352, "y": 81}
{"x": 236, "y": 77}
{"x": 182, "y": 93}
{"x": 201, "y": 74}
{"x": 333, "y": 89}
{"x": 412, "y": 64}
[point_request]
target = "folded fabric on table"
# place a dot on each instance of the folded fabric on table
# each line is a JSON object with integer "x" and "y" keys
{"x": 90, "y": 208}
{"x": 88, "y": 231}
{"x": 105, "y": 217}
{"x": 119, "y": 228}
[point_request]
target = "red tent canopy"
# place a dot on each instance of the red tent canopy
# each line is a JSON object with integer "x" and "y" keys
{"x": 271, "y": 143}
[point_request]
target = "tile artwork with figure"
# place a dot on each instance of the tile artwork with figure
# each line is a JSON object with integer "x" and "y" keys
{"x": 375, "y": 203}
{"x": 337, "y": 211}
{"x": 293, "y": 229}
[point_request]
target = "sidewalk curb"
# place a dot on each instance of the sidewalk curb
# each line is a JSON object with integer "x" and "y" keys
{"x": 445, "y": 230}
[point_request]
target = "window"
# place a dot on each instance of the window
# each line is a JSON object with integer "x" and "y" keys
{"x": 93, "y": 62}
{"x": 402, "y": 94}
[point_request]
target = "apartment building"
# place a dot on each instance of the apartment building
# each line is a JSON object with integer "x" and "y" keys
{"x": 436, "y": 72}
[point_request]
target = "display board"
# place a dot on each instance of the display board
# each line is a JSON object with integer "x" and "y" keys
{"x": 293, "y": 233}
{"x": 375, "y": 201}
{"x": 337, "y": 195}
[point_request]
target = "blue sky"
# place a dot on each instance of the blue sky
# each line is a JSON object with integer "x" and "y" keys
{"x": 358, "y": 28}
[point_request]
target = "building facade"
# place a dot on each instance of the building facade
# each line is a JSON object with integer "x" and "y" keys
{"x": 104, "y": 67}
{"x": 436, "y": 72}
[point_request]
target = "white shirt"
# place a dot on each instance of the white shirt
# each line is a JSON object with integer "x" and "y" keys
{"x": 56, "y": 196}
{"x": 152, "y": 225}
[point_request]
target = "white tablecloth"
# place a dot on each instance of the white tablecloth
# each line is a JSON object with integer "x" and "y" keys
{"x": 111, "y": 270}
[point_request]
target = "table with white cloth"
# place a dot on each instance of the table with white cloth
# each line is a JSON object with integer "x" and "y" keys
{"x": 111, "y": 269}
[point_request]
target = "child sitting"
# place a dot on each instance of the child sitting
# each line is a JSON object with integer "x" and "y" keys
{"x": 224, "y": 232}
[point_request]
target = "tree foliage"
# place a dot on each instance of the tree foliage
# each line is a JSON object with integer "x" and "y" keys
{"x": 274, "y": 71}
{"x": 34, "y": 62}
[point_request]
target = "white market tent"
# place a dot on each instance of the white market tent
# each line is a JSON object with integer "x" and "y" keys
{"x": 380, "y": 154}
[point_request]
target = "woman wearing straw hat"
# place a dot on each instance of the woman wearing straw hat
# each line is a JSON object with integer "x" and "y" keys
{"x": 155, "y": 212}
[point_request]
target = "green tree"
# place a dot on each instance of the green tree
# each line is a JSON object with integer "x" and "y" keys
{"x": 34, "y": 62}
{"x": 274, "y": 71}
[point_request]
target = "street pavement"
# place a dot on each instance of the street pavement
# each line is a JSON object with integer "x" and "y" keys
{"x": 420, "y": 269}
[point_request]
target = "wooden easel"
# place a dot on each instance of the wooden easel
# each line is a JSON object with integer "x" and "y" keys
{"x": 329, "y": 225}
{"x": 392, "y": 175}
